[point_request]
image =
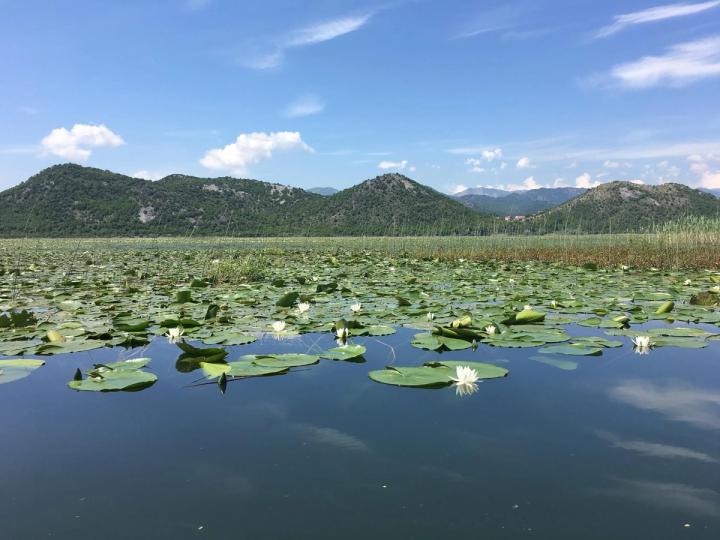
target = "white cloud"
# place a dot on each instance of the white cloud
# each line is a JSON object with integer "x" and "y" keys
{"x": 611, "y": 164}
{"x": 384, "y": 165}
{"x": 503, "y": 165}
{"x": 76, "y": 142}
{"x": 653, "y": 14}
{"x": 328, "y": 30}
{"x": 459, "y": 188}
{"x": 305, "y": 106}
{"x": 492, "y": 155}
{"x": 149, "y": 175}
{"x": 559, "y": 182}
{"x": 528, "y": 183}
{"x": 523, "y": 163}
{"x": 585, "y": 181}
{"x": 489, "y": 154}
{"x": 680, "y": 65}
{"x": 703, "y": 166}
{"x": 309, "y": 35}
{"x": 251, "y": 148}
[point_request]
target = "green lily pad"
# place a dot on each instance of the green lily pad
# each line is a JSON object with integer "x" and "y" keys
{"x": 285, "y": 360}
{"x": 346, "y": 352}
{"x": 124, "y": 376}
{"x": 14, "y": 369}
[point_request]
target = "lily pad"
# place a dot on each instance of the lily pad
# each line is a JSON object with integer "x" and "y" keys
{"x": 14, "y": 369}
{"x": 124, "y": 376}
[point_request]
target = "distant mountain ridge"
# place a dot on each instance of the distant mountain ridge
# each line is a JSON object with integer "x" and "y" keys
{"x": 511, "y": 203}
{"x": 327, "y": 191}
{"x": 626, "y": 207}
{"x": 71, "y": 200}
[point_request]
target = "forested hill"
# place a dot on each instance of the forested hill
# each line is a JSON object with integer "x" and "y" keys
{"x": 71, "y": 200}
{"x": 626, "y": 207}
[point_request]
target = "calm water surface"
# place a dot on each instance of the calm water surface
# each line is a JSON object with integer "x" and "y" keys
{"x": 625, "y": 446}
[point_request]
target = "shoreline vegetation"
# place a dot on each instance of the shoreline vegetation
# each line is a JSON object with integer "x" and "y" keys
{"x": 692, "y": 244}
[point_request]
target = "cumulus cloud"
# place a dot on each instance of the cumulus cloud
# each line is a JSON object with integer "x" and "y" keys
{"x": 148, "y": 175}
{"x": 305, "y": 106}
{"x": 528, "y": 183}
{"x": 251, "y": 148}
{"x": 523, "y": 163}
{"x": 76, "y": 142}
{"x": 707, "y": 167}
{"x": 585, "y": 181}
{"x": 459, "y": 188}
{"x": 653, "y": 14}
{"x": 680, "y": 65}
{"x": 400, "y": 165}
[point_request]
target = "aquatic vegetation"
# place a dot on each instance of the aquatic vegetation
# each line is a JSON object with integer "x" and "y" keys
{"x": 61, "y": 298}
{"x": 17, "y": 368}
{"x": 125, "y": 376}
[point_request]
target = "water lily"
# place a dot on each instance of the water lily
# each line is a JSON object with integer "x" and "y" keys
{"x": 553, "y": 304}
{"x": 342, "y": 333}
{"x": 174, "y": 335}
{"x": 465, "y": 380}
{"x": 278, "y": 326}
{"x": 687, "y": 282}
{"x": 355, "y": 308}
{"x": 303, "y": 307}
{"x": 491, "y": 329}
{"x": 642, "y": 344}
{"x": 527, "y": 307}
{"x": 430, "y": 316}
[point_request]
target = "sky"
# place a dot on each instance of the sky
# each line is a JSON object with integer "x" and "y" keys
{"x": 454, "y": 94}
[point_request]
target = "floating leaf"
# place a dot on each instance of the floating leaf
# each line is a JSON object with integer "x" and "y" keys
{"x": 115, "y": 377}
{"x": 346, "y": 352}
{"x": 14, "y": 369}
{"x": 285, "y": 360}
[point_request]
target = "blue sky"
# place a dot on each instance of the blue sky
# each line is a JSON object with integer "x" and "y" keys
{"x": 329, "y": 93}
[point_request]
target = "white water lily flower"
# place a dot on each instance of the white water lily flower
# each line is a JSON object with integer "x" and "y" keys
{"x": 624, "y": 267}
{"x": 642, "y": 344}
{"x": 465, "y": 380}
{"x": 527, "y": 307}
{"x": 491, "y": 329}
{"x": 430, "y": 316}
{"x": 215, "y": 261}
{"x": 355, "y": 308}
{"x": 278, "y": 326}
{"x": 687, "y": 282}
{"x": 553, "y": 304}
{"x": 174, "y": 335}
{"x": 342, "y": 333}
{"x": 303, "y": 307}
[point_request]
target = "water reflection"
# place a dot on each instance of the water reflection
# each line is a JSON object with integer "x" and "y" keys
{"x": 677, "y": 401}
{"x": 656, "y": 450}
{"x": 670, "y": 496}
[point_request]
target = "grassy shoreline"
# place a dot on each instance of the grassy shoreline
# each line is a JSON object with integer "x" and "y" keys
{"x": 670, "y": 249}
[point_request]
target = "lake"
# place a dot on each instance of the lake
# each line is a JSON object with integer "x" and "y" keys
{"x": 620, "y": 445}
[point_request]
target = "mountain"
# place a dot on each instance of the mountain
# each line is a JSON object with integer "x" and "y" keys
{"x": 715, "y": 192}
{"x": 488, "y": 192}
{"x": 326, "y": 191}
{"x": 392, "y": 204}
{"x": 624, "y": 207}
{"x": 519, "y": 202}
{"x": 71, "y": 200}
